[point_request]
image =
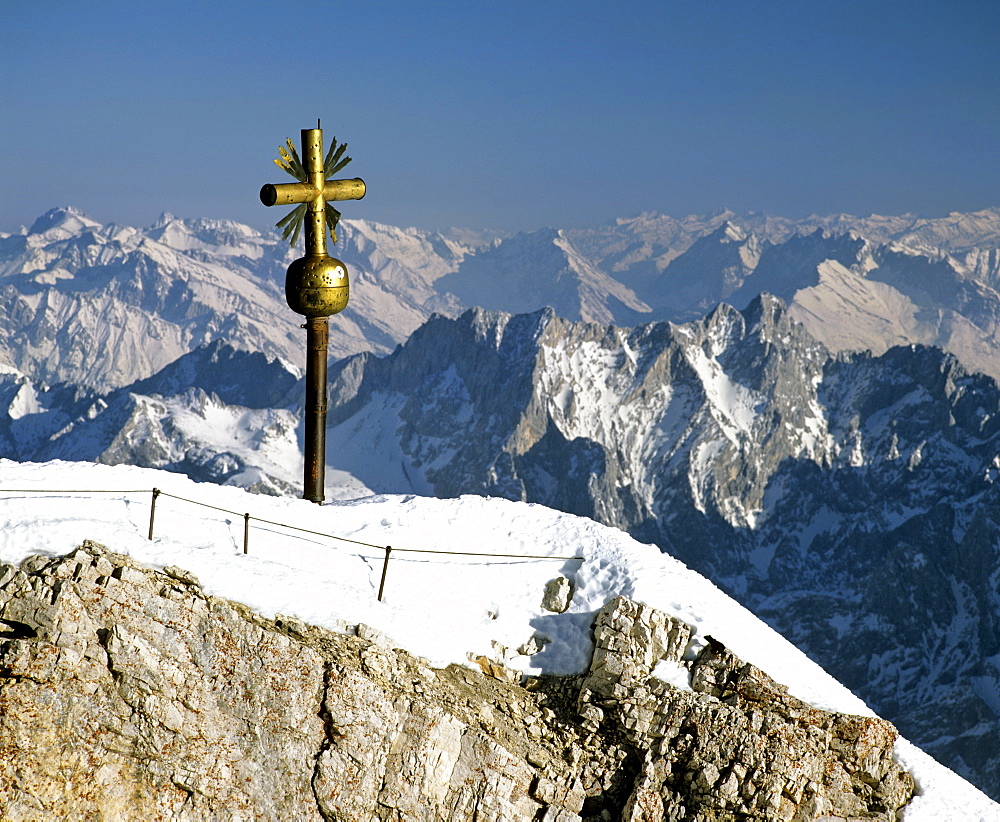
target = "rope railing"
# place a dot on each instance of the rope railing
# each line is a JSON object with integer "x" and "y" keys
{"x": 247, "y": 517}
{"x": 74, "y": 490}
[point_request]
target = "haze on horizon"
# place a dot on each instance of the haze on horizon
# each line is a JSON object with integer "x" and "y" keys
{"x": 508, "y": 116}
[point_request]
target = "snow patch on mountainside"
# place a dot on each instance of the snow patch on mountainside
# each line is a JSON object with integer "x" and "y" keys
{"x": 734, "y": 406}
{"x": 367, "y": 450}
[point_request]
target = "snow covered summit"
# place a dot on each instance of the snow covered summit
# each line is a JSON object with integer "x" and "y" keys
{"x": 438, "y": 606}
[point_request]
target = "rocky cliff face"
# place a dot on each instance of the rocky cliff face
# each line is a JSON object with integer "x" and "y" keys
{"x": 128, "y": 693}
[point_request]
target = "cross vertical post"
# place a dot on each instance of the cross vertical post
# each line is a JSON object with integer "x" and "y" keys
{"x": 312, "y": 162}
{"x": 314, "y": 472}
{"x": 316, "y": 286}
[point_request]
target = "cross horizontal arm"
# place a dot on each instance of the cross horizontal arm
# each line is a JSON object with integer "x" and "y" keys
{"x": 290, "y": 193}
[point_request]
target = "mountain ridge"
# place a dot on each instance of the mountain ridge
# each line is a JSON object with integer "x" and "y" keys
{"x": 75, "y": 293}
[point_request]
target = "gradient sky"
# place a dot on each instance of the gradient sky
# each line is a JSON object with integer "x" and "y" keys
{"x": 503, "y": 115}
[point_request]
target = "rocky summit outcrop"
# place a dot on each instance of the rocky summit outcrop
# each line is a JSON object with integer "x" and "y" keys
{"x": 736, "y": 745}
{"x": 129, "y": 694}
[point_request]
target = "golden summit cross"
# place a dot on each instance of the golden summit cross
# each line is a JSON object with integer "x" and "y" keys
{"x": 316, "y": 285}
{"x": 307, "y": 287}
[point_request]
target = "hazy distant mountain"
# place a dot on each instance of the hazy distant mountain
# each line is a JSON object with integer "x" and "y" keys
{"x": 856, "y": 283}
{"x": 103, "y": 306}
{"x": 714, "y": 267}
{"x": 543, "y": 268}
{"x": 661, "y": 238}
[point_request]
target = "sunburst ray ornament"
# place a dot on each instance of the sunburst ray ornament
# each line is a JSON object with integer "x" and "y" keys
{"x": 289, "y": 162}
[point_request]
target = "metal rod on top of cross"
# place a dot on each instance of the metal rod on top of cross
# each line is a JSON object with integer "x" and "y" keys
{"x": 316, "y": 285}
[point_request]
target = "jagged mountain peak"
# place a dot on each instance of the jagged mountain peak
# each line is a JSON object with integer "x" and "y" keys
{"x": 247, "y": 378}
{"x": 494, "y": 324}
{"x": 720, "y": 324}
{"x": 164, "y": 218}
{"x": 831, "y": 242}
{"x": 62, "y": 221}
{"x": 712, "y": 268}
{"x": 499, "y": 332}
{"x": 766, "y": 317}
{"x": 728, "y": 232}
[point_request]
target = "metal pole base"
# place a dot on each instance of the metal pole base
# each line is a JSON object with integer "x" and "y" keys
{"x": 314, "y": 476}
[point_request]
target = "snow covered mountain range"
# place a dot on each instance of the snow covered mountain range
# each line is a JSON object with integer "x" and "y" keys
{"x": 846, "y": 498}
{"x": 105, "y": 305}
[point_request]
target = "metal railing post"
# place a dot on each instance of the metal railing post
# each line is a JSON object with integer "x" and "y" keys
{"x": 152, "y": 512}
{"x": 385, "y": 570}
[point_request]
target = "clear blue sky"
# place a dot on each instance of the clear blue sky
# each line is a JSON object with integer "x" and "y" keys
{"x": 506, "y": 115}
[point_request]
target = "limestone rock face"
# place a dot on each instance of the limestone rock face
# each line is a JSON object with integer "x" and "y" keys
{"x": 736, "y": 745}
{"x": 129, "y": 694}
